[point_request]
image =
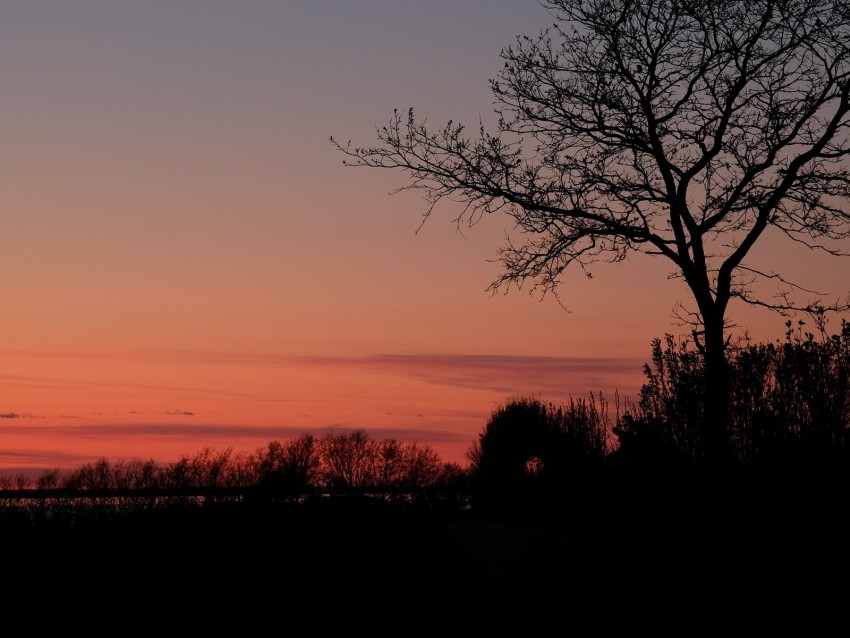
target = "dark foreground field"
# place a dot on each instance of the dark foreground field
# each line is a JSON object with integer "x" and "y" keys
{"x": 682, "y": 564}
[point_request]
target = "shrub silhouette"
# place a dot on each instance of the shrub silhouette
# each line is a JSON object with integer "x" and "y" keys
{"x": 789, "y": 405}
{"x": 530, "y": 451}
{"x": 663, "y": 429}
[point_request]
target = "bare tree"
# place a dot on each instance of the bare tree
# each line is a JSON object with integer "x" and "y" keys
{"x": 668, "y": 127}
{"x": 287, "y": 468}
{"x": 22, "y": 481}
{"x": 423, "y": 468}
{"x": 302, "y": 461}
{"x": 48, "y": 479}
{"x": 390, "y": 463}
{"x": 405, "y": 468}
{"x": 347, "y": 460}
{"x": 98, "y": 475}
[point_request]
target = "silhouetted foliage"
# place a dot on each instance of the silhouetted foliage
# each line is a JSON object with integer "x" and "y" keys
{"x": 789, "y": 404}
{"x": 348, "y": 460}
{"x": 48, "y": 480}
{"x": 530, "y": 450}
{"x": 665, "y": 428}
{"x": 286, "y": 469}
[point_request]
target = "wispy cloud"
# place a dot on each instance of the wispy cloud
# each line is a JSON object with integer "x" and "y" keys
{"x": 15, "y": 460}
{"x": 22, "y": 415}
{"x": 504, "y": 374}
{"x": 215, "y": 431}
{"x": 493, "y": 372}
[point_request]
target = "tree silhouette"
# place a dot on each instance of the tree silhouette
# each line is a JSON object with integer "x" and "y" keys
{"x": 687, "y": 130}
{"x": 347, "y": 459}
{"x": 48, "y": 479}
{"x": 530, "y": 450}
{"x": 287, "y": 468}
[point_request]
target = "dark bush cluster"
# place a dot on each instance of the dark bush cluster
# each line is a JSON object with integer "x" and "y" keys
{"x": 789, "y": 404}
{"x": 531, "y": 451}
{"x": 789, "y": 407}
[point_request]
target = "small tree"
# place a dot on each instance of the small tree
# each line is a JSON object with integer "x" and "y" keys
{"x": 681, "y": 129}
{"x": 48, "y": 479}
{"x": 531, "y": 448}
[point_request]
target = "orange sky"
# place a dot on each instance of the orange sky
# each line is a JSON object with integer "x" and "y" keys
{"x": 186, "y": 262}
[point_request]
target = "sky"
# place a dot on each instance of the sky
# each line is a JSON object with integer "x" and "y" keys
{"x": 187, "y": 263}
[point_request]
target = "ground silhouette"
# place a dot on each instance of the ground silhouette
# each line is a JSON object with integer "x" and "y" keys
{"x": 645, "y": 556}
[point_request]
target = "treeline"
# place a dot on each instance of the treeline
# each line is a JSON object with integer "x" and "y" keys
{"x": 337, "y": 463}
{"x": 790, "y": 420}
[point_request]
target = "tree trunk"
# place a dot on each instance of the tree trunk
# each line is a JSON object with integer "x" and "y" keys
{"x": 717, "y": 443}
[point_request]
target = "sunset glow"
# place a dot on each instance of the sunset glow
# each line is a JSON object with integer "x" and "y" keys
{"x": 188, "y": 264}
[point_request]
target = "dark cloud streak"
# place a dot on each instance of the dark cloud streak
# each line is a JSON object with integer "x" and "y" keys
{"x": 506, "y": 374}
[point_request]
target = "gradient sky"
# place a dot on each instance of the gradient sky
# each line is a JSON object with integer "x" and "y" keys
{"x": 186, "y": 263}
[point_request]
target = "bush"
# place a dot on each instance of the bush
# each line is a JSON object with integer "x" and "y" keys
{"x": 530, "y": 450}
{"x": 789, "y": 404}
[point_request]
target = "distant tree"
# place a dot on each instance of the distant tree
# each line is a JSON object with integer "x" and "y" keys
{"x": 288, "y": 468}
{"x": 687, "y": 130}
{"x": 405, "y": 467}
{"x": 422, "y": 467}
{"x": 22, "y": 481}
{"x": 97, "y": 475}
{"x": 347, "y": 460}
{"x": 267, "y": 461}
{"x": 240, "y": 471}
{"x": 145, "y": 475}
{"x": 302, "y": 461}
{"x": 208, "y": 468}
{"x": 48, "y": 479}
{"x": 134, "y": 474}
{"x": 354, "y": 461}
{"x": 179, "y": 475}
{"x": 390, "y": 463}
